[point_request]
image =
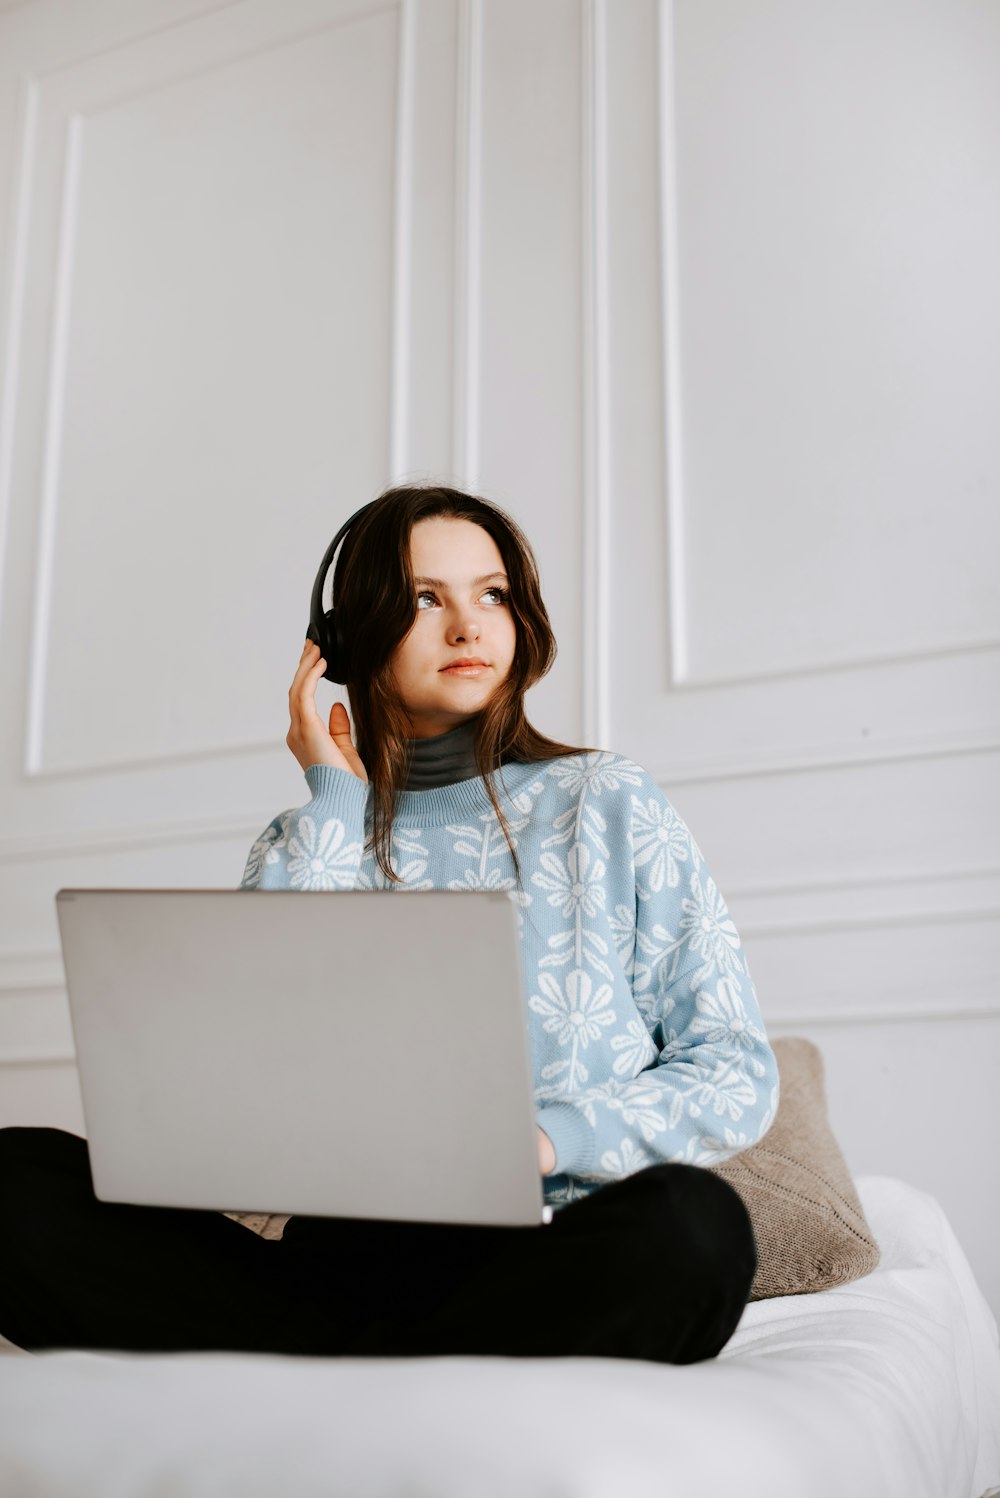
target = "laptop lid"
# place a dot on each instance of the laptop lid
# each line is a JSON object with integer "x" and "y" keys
{"x": 346, "y": 1053}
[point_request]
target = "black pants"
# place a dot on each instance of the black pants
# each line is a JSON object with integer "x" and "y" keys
{"x": 656, "y": 1266}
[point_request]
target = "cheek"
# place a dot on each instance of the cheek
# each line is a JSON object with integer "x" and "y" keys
{"x": 414, "y": 653}
{"x": 510, "y": 640}
{"x": 402, "y": 660}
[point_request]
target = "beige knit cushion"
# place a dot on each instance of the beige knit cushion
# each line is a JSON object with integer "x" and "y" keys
{"x": 810, "y": 1229}
{"x": 268, "y": 1225}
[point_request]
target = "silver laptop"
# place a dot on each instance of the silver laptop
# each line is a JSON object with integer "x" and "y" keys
{"x": 341, "y": 1054}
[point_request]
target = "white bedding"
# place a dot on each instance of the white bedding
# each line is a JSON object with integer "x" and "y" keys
{"x": 889, "y": 1386}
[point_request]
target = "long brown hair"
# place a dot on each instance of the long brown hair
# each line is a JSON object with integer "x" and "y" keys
{"x": 376, "y": 602}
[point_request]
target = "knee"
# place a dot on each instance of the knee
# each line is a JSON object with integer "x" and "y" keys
{"x": 44, "y": 1177}
{"x": 705, "y": 1222}
{"x": 19, "y": 1142}
{"x": 34, "y": 1155}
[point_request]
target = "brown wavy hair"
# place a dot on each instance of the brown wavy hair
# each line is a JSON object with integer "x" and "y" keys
{"x": 376, "y": 602}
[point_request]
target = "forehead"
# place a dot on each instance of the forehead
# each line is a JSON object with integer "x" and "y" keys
{"x": 452, "y": 549}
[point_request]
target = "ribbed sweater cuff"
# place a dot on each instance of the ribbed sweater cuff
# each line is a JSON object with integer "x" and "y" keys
{"x": 572, "y": 1138}
{"x": 337, "y": 791}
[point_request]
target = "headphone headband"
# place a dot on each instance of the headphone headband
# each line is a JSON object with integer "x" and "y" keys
{"x": 323, "y": 625}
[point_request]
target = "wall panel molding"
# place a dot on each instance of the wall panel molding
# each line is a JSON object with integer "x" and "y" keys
{"x": 876, "y": 969}
{"x": 681, "y": 677}
{"x": 595, "y": 622}
{"x": 792, "y": 1023}
{"x": 846, "y": 758}
{"x": 893, "y": 903}
{"x": 670, "y": 353}
{"x": 856, "y": 884}
{"x": 24, "y": 971}
{"x": 35, "y": 1022}
{"x": 400, "y": 399}
{"x": 40, "y": 1056}
{"x": 127, "y": 839}
{"x": 67, "y": 97}
{"x": 24, "y": 157}
{"x": 51, "y": 459}
{"x": 468, "y": 253}
{"x": 876, "y": 921}
{"x": 690, "y": 683}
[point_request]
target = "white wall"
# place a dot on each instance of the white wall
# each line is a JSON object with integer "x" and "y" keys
{"x": 703, "y": 293}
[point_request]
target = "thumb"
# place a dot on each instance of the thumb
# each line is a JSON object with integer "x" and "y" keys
{"x": 340, "y": 733}
{"x": 339, "y": 721}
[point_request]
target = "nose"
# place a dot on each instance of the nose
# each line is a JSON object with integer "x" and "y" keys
{"x": 463, "y": 630}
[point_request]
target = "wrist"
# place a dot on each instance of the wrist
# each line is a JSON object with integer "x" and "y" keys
{"x": 336, "y": 789}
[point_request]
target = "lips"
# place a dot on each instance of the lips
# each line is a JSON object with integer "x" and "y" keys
{"x": 464, "y": 664}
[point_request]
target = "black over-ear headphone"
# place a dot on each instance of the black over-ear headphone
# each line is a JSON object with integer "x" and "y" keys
{"x": 323, "y": 628}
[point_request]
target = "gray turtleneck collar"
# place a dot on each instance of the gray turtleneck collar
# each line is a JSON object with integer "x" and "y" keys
{"x": 444, "y": 759}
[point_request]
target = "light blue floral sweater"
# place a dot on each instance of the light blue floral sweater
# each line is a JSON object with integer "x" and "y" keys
{"x": 645, "y": 1033}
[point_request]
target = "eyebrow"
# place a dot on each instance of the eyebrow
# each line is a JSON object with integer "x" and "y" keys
{"x": 436, "y": 582}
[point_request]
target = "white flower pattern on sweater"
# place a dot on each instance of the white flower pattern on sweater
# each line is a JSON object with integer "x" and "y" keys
{"x": 645, "y": 1031}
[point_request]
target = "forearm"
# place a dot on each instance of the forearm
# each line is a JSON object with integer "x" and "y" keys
{"x": 700, "y": 1107}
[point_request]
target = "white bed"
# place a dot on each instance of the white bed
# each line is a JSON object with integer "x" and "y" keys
{"x": 887, "y": 1386}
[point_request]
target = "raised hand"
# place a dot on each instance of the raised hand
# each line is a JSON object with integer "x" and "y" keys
{"x": 309, "y": 738}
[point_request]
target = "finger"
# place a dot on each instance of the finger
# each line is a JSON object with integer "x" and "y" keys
{"x": 306, "y": 662}
{"x": 302, "y": 692}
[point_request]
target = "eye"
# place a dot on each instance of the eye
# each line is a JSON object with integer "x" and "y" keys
{"x": 499, "y": 595}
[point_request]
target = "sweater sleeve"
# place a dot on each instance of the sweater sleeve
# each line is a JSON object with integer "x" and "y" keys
{"x": 316, "y": 846}
{"x": 703, "y": 1083}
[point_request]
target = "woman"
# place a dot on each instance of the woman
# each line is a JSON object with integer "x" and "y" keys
{"x": 649, "y": 1053}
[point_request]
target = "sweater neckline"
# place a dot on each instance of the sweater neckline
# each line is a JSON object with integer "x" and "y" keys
{"x": 443, "y": 759}
{"x": 466, "y": 798}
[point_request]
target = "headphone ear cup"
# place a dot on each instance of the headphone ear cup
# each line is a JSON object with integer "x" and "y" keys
{"x": 332, "y": 647}
{"x": 324, "y": 633}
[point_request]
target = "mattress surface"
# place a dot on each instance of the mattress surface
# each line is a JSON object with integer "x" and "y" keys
{"x": 888, "y": 1386}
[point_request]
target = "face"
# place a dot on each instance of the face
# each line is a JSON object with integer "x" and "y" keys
{"x": 461, "y": 645}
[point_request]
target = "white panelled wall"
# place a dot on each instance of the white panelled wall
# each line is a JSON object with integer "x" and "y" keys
{"x": 704, "y": 293}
